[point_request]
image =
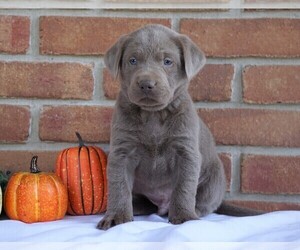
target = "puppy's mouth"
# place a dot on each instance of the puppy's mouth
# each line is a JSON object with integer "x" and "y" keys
{"x": 150, "y": 104}
{"x": 148, "y": 101}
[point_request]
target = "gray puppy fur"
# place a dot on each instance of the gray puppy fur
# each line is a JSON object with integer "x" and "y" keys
{"x": 162, "y": 156}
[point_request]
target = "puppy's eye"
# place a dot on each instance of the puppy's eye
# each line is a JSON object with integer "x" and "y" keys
{"x": 133, "y": 61}
{"x": 168, "y": 62}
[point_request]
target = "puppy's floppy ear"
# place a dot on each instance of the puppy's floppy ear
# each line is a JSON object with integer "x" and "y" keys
{"x": 194, "y": 58}
{"x": 113, "y": 56}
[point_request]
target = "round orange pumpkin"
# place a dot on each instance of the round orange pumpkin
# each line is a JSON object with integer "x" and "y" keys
{"x": 83, "y": 170}
{"x": 35, "y": 196}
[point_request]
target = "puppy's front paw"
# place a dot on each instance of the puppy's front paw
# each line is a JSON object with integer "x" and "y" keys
{"x": 181, "y": 218}
{"x": 110, "y": 220}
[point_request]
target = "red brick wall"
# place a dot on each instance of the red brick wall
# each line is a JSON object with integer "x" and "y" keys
{"x": 53, "y": 83}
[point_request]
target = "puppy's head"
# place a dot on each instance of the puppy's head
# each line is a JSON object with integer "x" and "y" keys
{"x": 154, "y": 63}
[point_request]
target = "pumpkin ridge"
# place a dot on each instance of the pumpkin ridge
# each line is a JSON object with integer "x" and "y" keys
{"x": 37, "y": 203}
{"x": 80, "y": 178}
{"x": 92, "y": 182}
{"x": 70, "y": 208}
{"x": 19, "y": 215}
{"x": 9, "y": 187}
{"x": 103, "y": 162}
{"x": 101, "y": 172}
{"x": 59, "y": 212}
{"x": 26, "y": 180}
{"x": 58, "y": 168}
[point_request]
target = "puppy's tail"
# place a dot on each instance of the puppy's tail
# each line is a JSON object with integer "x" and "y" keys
{"x": 233, "y": 210}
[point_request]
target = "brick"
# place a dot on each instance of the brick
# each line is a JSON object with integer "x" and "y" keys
{"x": 15, "y": 123}
{"x": 271, "y": 84}
{"x": 16, "y": 161}
{"x": 226, "y": 160}
{"x": 265, "y": 205}
{"x": 14, "y": 34}
{"x": 46, "y": 80}
{"x": 213, "y": 83}
{"x": 263, "y": 37}
{"x": 253, "y": 127}
{"x": 270, "y": 174}
{"x": 111, "y": 86}
{"x": 86, "y": 35}
{"x": 59, "y": 123}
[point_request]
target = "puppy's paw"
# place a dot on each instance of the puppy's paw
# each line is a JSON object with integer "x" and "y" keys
{"x": 181, "y": 218}
{"x": 110, "y": 220}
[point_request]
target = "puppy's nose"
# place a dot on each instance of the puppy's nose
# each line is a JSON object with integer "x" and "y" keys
{"x": 146, "y": 85}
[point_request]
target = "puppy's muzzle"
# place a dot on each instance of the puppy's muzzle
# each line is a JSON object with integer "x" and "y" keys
{"x": 146, "y": 85}
{"x": 149, "y": 89}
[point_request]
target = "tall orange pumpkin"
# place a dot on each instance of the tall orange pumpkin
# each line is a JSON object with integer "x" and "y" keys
{"x": 35, "y": 196}
{"x": 83, "y": 170}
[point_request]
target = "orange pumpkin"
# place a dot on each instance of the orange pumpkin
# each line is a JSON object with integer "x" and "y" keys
{"x": 83, "y": 170}
{"x": 35, "y": 196}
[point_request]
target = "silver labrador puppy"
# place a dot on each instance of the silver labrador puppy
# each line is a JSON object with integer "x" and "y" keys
{"x": 162, "y": 156}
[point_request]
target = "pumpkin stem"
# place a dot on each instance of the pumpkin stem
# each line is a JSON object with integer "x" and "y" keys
{"x": 81, "y": 142}
{"x": 33, "y": 165}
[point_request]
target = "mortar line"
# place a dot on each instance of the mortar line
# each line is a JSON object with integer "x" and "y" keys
{"x": 284, "y": 198}
{"x": 175, "y": 23}
{"x": 260, "y": 150}
{"x": 180, "y": 13}
{"x": 235, "y": 173}
{"x": 56, "y": 102}
{"x": 88, "y": 59}
{"x": 236, "y": 85}
{"x": 107, "y": 102}
{"x": 98, "y": 82}
{"x": 47, "y": 146}
{"x": 34, "y": 35}
{"x": 34, "y": 128}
